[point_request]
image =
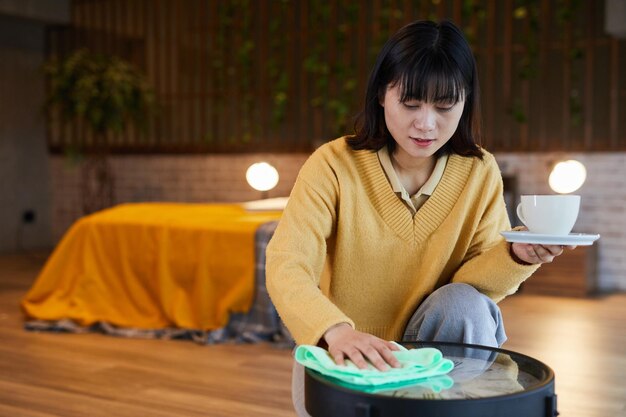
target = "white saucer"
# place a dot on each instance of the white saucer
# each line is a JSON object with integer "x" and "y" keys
{"x": 573, "y": 239}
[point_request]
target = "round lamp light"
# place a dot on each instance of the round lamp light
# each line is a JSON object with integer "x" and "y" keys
{"x": 262, "y": 176}
{"x": 567, "y": 176}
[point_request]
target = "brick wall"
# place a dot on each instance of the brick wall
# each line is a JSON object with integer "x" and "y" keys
{"x": 179, "y": 178}
{"x": 221, "y": 178}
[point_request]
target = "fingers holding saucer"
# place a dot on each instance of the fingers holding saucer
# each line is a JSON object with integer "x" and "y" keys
{"x": 544, "y": 253}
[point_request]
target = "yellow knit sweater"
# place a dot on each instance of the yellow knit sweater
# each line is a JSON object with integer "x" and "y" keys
{"x": 383, "y": 260}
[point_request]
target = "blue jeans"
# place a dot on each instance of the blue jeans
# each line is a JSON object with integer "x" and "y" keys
{"x": 452, "y": 313}
{"x": 457, "y": 313}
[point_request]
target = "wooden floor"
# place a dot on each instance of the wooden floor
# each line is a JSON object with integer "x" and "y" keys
{"x": 92, "y": 375}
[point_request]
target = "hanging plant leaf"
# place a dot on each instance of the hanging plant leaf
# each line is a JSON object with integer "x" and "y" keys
{"x": 104, "y": 91}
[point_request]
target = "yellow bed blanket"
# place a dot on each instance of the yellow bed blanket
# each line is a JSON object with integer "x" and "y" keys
{"x": 151, "y": 266}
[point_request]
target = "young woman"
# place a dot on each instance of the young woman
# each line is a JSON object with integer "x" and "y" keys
{"x": 405, "y": 217}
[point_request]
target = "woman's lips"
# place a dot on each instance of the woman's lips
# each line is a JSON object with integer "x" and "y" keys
{"x": 422, "y": 142}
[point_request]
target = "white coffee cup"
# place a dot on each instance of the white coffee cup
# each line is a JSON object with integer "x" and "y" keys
{"x": 549, "y": 214}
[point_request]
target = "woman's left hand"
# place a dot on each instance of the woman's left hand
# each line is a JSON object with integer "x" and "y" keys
{"x": 537, "y": 254}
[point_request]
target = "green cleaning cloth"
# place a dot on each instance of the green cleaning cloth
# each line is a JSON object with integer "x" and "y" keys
{"x": 435, "y": 384}
{"x": 417, "y": 366}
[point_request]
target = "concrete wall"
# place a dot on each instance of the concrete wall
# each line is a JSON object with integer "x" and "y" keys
{"x": 24, "y": 162}
{"x": 221, "y": 178}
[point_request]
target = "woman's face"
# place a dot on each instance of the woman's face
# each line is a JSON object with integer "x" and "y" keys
{"x": 419, "y": 128}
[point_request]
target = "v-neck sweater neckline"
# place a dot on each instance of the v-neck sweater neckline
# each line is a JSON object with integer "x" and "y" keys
{"x": 414, "y": 228}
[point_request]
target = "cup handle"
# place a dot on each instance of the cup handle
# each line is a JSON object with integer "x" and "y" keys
{"x": 519, "y": 213}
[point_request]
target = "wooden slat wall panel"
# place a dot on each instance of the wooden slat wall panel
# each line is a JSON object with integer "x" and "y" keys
{"x": 590, "y": 12}
{"x": 565, "y": 95}
{"x": 614, "y": 95}
{"x": 212, "y": 97}
{"x": 507, "y": 97}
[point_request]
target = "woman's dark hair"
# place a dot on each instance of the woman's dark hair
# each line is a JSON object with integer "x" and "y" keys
{"x": 430, "y": 62}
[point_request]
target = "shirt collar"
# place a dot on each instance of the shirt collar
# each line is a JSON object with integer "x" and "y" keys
{"x": 429, "y": 186}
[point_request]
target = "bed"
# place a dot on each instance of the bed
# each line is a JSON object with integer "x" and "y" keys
{"x": 164, "y": 270}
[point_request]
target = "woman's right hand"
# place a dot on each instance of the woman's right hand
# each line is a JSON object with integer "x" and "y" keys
{"x": 346, "y": 343}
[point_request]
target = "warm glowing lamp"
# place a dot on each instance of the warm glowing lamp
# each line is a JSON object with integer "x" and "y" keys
{"x": 262, "y": 177}
{"x": 567, "y": 176}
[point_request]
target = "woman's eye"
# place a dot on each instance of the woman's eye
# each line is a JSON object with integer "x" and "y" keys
{"x": 411, "y": 105}
{"x": 445, "y": 107}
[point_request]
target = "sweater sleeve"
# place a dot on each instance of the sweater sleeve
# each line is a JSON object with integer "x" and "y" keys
{"x": 297, "y": 252}
{"x": 488, "y": 265}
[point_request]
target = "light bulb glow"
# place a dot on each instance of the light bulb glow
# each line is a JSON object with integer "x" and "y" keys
{"x": 567, "y": 176}
{"x": 262, "y": 176}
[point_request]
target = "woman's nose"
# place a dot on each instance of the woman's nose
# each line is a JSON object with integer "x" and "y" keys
{"x": 425, "y": 120}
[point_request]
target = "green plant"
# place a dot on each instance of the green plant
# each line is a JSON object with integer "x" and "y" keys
{"x": 528, "y": 10}
{"x": 566, "y": 13}
{"x": 474, "y": 14}
{"x": 334, "y": 80}
{"x": 276, "y": 66}
{"x": 104, "y": 93}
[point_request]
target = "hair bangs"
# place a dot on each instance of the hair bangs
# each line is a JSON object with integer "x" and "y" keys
{"x": 432, "y": 79}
